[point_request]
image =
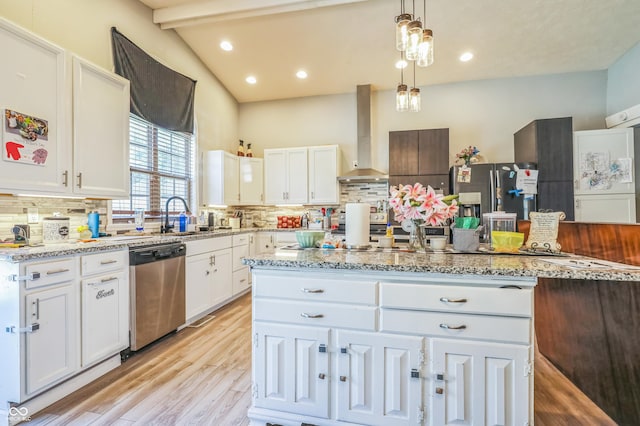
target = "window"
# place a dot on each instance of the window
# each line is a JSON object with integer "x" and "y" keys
{"x": 162, "y": 165}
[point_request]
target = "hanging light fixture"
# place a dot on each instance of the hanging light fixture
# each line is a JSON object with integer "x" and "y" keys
{"x": 414, "y": 94}
{"x": 425, "y": 47}
{"x": 402, "y": 95}
{"x": 402, "y": 22}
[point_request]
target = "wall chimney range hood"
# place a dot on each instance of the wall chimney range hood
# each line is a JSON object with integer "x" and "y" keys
{"x": 364, "y": 172}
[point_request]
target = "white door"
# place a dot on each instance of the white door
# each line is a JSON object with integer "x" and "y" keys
{"x": 198, "y": 287}
{"x": 291, "y": 368}
{"x": 603, "y": 162}
{"x": 476, "y": 383}
{"x": 230, "y": 181}
{"x": 379, "y": 378}
{"x": 605, "y": 208}
{"x": 34, "y": 85}
{"x": 275, "y": 176}
{"x": 105, "y": 316}
{"x": 221, "y": 276}
{"x": 52, "y": 350}
{"x": 100, "y": 131}
{"x": 297, "y": 176}
{"x": 251, "y": 187}
{"x": 323, "y": 174}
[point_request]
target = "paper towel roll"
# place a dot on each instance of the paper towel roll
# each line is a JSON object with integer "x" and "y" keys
{"x": 357, "y": 225}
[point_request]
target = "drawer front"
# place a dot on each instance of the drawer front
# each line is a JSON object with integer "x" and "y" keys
{"x": 240, "y": 239}
{"x": 241, "y": 280}
{"x": 104, "y": 262}
{"x": 321, "y": 314}
{"x": 238, "y": 253}
{"x": 208, "y": 244}
{"x": 442, "y": 324}
{"x": 52, "y": 272}
{"x": 299, "y": 287}
{"x": 452, "y": 298}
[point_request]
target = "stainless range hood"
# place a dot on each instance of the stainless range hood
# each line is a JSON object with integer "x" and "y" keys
{"x": 364, "y": 172}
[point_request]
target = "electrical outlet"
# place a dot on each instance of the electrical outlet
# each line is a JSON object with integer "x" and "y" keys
{"x": 355, "y": 164}
{"x": 32, "y": 215}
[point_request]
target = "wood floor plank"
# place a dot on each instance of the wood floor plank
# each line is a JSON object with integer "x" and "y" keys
{"x": 202, "y": 376}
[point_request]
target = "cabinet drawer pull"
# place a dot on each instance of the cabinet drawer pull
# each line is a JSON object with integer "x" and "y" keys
{"x": 453, "y": 327}
{"x": 79, "y": 180}
{"x": 57, "y": 271}
{"x": 108, "y": 262}
{"x": 312, "y": 290}
{"x": 448, "y": 300}
{"x": 107, "y": 280}
{"x": 306, "y": 315}
{"x": 65, "y": 182}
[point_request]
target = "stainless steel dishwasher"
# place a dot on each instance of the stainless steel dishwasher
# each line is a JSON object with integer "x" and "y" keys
{"x": 156, "y": 276}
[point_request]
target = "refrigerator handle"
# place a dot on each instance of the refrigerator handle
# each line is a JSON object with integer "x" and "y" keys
{"x": 492, "y": 190}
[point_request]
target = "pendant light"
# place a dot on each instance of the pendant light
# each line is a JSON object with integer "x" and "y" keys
{"x": 414, "y": 33}
{"x": 414, "y": 94}
{"x": 402, "y": 95}
{"x": 402, "y": 22}
{"x": 425, "y": 47}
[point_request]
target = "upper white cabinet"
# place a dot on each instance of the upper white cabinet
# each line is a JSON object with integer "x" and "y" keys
{"x": 285, "y": 176}
{"x": 230, "y": 180}
{"x": 34, "y": 84}
{"x": 324, "y": 168}
{"x": 100, "y": 131}
{"x": 76, "y": 136}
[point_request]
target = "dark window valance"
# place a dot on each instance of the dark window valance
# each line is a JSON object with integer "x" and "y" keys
{"x": 159, "y": 94}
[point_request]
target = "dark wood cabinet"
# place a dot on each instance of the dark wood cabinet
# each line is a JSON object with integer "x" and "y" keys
{"x": 433, "y": 152}
{"x": 403, "y": 153}
{"x": 549, "y": 144}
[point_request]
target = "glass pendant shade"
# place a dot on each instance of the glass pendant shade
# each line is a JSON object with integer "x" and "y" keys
{"x": 402, "y": 98}
{"x": 402, "y": 37}
{"x": 414, "y": 33}
{"x": 414, "y": 100}
{"x": 425, "y": 49}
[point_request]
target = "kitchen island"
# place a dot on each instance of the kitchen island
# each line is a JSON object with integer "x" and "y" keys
{"x": 391, "y": 337}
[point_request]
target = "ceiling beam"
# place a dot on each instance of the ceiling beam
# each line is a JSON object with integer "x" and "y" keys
{"x": 224, "y": 10}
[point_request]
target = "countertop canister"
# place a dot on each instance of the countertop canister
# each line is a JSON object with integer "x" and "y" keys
{"x": 55, "y": 229}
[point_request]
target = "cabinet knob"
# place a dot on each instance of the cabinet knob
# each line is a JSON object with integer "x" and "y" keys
{"x": 439, "y": 391}
{"x": 321, "y": 376}
{"x": 343, "y": 378}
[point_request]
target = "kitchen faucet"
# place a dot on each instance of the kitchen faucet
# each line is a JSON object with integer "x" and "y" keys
{"x": 166, "y": 228}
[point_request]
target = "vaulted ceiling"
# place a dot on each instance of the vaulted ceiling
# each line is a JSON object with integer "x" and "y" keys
{"x": 343, "y": 43}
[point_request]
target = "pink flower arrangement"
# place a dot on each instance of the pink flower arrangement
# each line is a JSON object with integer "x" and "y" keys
{"x": 418, "y": 203}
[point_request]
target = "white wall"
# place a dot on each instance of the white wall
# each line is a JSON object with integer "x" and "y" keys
{"x": 84, "y": 27}
{"x": 483, "y": 113}
{"x": 623, "y": 82}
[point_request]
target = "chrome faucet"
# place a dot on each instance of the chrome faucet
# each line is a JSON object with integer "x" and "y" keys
{"x": 166, "y": 228}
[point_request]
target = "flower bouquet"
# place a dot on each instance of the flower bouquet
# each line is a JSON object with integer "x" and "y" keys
{"x": 468, "y": 155}
{"x": 416, "y": 205}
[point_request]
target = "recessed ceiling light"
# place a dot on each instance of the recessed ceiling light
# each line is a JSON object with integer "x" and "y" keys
{"x": 227, "y": 46}
{"x": 251, "y": 80}
{"x": 466, "y": 56}
{"x": 302, "y": 74}
{"x": 401, "y": 64}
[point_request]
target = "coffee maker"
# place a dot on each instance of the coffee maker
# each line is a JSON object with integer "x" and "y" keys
{"x": 469, "y": 204}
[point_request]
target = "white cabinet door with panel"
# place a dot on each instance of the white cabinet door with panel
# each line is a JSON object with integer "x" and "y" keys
{"x": 221, "y": 179}
{"x": 240, "y": 250}
{"x": 291, "y": 369}
{"x": 285, "y": 176}
{"x": 477, "y": 383}
{"x": 199, "y": 284}
{"x": 100, "y": 131}
{"x": 251, "y": 180}
{"x": 324, "y": 168}
{"x": 605, "y": 208}
{"x": 379, "y": 378}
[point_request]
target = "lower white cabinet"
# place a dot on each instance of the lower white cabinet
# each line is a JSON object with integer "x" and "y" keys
{"x": 240, "y": 250}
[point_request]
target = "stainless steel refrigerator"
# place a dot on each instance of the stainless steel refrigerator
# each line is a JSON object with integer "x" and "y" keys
{"x": 478, "y": 188}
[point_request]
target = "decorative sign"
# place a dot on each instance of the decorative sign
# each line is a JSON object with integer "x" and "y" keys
{"x": 543, "y": 233}
{"x": 25, "y": 138}
{"x": 464, "y": 174}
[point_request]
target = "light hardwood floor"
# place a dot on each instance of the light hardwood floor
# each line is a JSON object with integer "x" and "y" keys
{"x": 202, "y": 376}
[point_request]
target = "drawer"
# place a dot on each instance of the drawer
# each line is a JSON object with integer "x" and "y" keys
{"x": 321, "y": 314}
{"x": 238, "y": 253}
{"x": 454, "y": 298}
{"x": 104, "y": 262}
{"x": 240, "y": 239}
{"x": 482, "y": 327}
{"x": 207, "y": 245}
{"x": 52, "y": 272}
{"x": 241, "y": 280}
{"x": 299, "y": 287}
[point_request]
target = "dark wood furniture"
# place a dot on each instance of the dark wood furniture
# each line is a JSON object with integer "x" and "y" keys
{"x": 590, "y": 330}
{"x": 419, "y": 156}
{"x": 549, "y": 143}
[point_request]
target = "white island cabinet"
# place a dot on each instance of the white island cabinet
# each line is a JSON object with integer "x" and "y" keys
{"x": 386, "y": 348}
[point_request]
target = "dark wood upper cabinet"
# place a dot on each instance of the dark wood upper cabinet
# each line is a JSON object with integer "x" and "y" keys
{"x": 419, "y": 152}
{"x": 403, "y": 150}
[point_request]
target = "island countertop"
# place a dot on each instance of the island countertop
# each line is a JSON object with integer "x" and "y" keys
{"x": 514, "y": 265}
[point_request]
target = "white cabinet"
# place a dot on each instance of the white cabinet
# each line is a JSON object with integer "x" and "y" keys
{"x": 324, "y": 169}
{"x": 239, "y": 251}
{"x": 285, "y": 176}
{"x": 209, "y": 275}
{"x": 34, "y": 83}
{"x": 105, "y": 305}
{"x": 605, "y": 208}
{"x": 221, "y": 179}
{"x": 265, "y": 243}
{"x": 251, "y": 181}
{"x": 100, "y": 132}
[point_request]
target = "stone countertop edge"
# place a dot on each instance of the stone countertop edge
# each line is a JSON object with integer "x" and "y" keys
{"x": 71, "y": 248}
{"x": 439, "y": 263}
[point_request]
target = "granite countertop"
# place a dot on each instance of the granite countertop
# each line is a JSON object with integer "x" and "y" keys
{"x": 449, "y": 263}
